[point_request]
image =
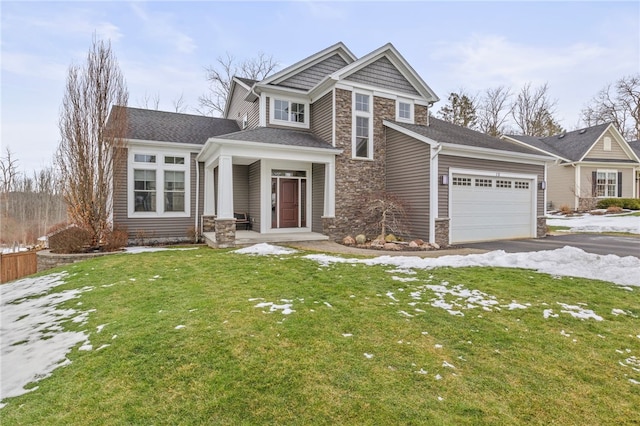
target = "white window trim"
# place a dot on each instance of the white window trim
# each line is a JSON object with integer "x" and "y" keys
{"x": 160, "y": 167}
{"x": 411, "y": 119}
{"x": 606, "y": 144}
{"x": 273, "y": 120}
{"x": 355, "y": 114}
{"x": 606, "y": 185}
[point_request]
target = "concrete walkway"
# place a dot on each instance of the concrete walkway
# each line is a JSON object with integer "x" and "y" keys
{"x": 333, "y": 247}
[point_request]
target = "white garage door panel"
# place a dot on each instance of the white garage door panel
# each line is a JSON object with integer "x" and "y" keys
{"x": 481, "y": 213}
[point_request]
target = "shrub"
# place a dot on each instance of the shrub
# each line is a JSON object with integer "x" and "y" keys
{"x": 115, "y": 240}
{"x": 361, "y": 239}
{"x": 72, "y": 239}
{"x": 565, "y": 209}
{"x": 624, "y": 203}
{"x": 614, "y": 209}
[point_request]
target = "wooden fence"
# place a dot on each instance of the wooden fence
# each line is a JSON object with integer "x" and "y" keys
{"x": 17, "y": 265}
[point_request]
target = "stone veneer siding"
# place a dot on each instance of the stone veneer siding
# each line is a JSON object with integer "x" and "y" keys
{"x": 541, "y": 230}
{"x": 356, "y": 178}
{"x": 442, "y": 232}
{"x": 208, "y": 223}
{"x": 225, "y": 230}
{"x": 48, "y": 260}
{"x": 420, "y": 113}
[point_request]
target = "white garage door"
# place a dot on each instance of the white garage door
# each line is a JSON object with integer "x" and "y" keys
{"x": 485, "y": 208}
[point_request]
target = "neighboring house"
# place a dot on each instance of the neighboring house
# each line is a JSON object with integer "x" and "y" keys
{"x": 591, "y": 163}
{"x": 299, "y": 150}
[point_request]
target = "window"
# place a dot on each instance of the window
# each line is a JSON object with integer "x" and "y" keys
{"x": 503, "y": 184}
{"x": 173, "y": 191}
{"x": 488, "y": 183}
{"x": 404, "y": 111}
{"x": 173, "y": 160}
{"x": 521, "y": 185}
{"x": 158, "y": 184}
{"x": 144, "y": 158}
{"x": 144, "y": 190}
{"x": 362, "y": 126}
{"x": 461, "y": 181}
{"x": 289, "y": 112}
{"x": 606, "y": 183}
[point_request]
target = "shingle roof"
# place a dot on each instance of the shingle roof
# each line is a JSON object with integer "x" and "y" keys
{"x": 249, "y": 82}
{"x": 445, "y": 132}
{"x": 144, "y": 124}
{"x": 635, "y": 146}
{"x": 570, "y": 145}
{"x": 272, "y": 135}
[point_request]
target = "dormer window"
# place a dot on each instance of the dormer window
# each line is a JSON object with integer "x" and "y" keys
{"x": 362, "y": 146}
{"x": 404, "y": 111}
{"x": 289, "y": 112}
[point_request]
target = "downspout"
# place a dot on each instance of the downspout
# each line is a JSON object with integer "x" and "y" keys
{"x": 433, "y": 192}
{"x": 195, "y": 226}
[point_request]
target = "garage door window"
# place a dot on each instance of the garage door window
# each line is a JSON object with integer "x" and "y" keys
{"x": 503, "y": 184}
{"x": 487, "y": 183}
{"x": 521, "y": 185}
{"x": 461, "y": 181}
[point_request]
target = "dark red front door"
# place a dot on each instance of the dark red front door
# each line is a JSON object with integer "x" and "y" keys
{"x": 288, "y": 203}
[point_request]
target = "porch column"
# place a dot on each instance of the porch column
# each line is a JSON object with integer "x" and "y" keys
{"x": 329, "y": 189}
{"x": 209, "y": 204}
{"x": 225, "y": 187}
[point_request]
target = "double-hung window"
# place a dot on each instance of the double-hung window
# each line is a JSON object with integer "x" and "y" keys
{"x": 289, "y": 112}
{"x": 362, "y": 126}
{"x": 158, "y": 184}
{"x": 606, "y": 183}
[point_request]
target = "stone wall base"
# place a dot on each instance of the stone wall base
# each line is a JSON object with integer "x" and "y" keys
{"x": 541, "y": 229}
{"x": 442, "y": 231}
{"x": 48, "y": 260}
{"x": 225, "y": 230}
{"x": 208, "y": 223}
{"x": 329, "y": 228}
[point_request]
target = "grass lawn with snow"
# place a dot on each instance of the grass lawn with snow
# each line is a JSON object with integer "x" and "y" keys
{"x": 216, "y": 337}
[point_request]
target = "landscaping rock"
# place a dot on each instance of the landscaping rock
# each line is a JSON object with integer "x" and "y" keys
{"x": 361, "y": 239}
{"x": 348, "y": 241}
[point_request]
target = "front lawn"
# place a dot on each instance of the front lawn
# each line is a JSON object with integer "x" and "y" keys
{"x": 215, "y": 337}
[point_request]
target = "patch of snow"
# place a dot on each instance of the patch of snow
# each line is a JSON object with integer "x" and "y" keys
{"x": 514, "y": 305}
{"x": 404, "y": 279}
{"x": 579, "y": 312}
{"x": 368, "y": 356}
{"x": 285, "y": 308}
{"x": 548, "y": 313}
{"x": 598, "y": 223}
{"x": 438, "y": 377}
{"x": 566, "y": 261}
{"x": 180, "y": 327}
{"x": 347, "y": 335}
{"x": 32, "y": 340}
{"x": 264, "y": 249}
{"x": 446, "y": 364}
{"x": 143, "y": 249}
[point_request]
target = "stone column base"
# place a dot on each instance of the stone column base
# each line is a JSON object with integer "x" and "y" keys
{"x": 225, "y": 230}
{"x": 329, "y": 228}
{"x": 208, "y": 223}
{"x": 442, "y": 231}
{"x": 541, "y": 229}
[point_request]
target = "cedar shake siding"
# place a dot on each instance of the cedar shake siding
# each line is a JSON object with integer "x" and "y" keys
{"x": 447, "y": 161}
{"x": 145, "y": 230}
{"x": 322, "y": 117}
{"x": 254, "y": 194}
{"x": 307, "y": 79}
{"x": 408, "y": 177}
{"x": 382, "y": 73}
{"x": 317, "y": 197}
{"x": 356, "y": 178}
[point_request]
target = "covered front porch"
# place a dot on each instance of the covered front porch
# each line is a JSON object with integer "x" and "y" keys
{"x": 284, "y": 191}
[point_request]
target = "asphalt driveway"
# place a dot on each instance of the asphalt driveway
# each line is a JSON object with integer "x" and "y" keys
{"x": 591, "y": 243}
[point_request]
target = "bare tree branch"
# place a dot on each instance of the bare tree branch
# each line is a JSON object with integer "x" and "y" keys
{"x": 494, "y": 111}
{"x": 533, "y": 112}
{"x": 86, "y": 152}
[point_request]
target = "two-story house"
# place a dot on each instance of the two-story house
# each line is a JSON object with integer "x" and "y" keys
{"x": 299, "y": 150}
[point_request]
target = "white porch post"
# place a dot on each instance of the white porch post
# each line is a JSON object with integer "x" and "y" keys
{"x": 225, "y": 187}
{"x": 209, "y": 204}
{"x": 330, "y": 189}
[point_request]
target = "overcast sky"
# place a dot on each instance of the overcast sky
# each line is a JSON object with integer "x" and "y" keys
{"x": 163, "y": 47}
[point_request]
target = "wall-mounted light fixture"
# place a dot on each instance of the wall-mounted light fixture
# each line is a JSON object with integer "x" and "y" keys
{"x": 444, "y": 179}
{"x": 543, "y": 185}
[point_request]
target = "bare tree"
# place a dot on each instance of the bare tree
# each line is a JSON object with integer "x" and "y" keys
{"x": 178, "y": 104}
{"x": 460, "y": 109}
{"x": 494, "y": 111}
{"x": 8, "y": 171}
{"x": 87, "y": 149}
{"x": 221, "y": 75}
{"x": 533, "y": 112}
{"x": 383, "y": 211}
{"x": 149, "y": 102}
{"x": 617, "y": 103}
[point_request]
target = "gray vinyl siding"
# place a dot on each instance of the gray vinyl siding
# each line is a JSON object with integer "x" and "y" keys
{"x": 311, "y": 76}
{"x": 408, "y": 176}
{"x": 447, "y": 161}
{"x": 148, "y": 230}
{"x": 322, "y": 117}
{"x": 561, "y": 187}
{"x": 238, "y": 107}
{"x": 317, "y": 197}
{"x": 597, "y": 152}
{"x": 382, "y": 73}
{"x": 254, "y": 194}
{"x": 240, "y": 189}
